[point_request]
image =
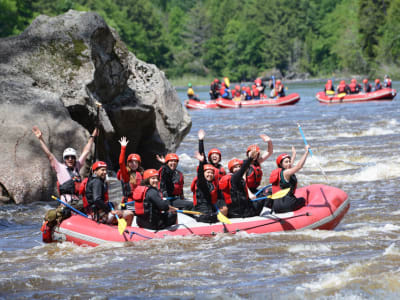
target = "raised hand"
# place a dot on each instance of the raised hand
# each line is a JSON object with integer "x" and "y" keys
{"x": 199, "y": 156}
{"x": 265, "y": 137}
{"x": 160, "y": 158}
{"x": 123, "y": 141}
{"x": 201, "y": 134}
{"x": 37, "y": 132}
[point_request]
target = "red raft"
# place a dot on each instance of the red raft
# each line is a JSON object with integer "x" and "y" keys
{"x": 383, "y": 94}
{"x": 325, "y": 208}
{"x": 287, "y": 100}
{"x": 193, "y": 104}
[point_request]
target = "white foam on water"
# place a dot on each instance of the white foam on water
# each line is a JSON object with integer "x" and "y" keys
{"x": 313, "y": 247}
{"x": 379, "y": 171}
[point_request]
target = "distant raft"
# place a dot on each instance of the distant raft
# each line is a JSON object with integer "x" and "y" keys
{"x": 281, "y": 101}
{"x": 325, "y": 208}
{"x": 193, "y": 104}
{"x": 380, "y": 95}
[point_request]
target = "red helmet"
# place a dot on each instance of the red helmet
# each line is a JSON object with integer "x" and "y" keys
{"x": 253, "y": 86}
{"x": 365, "y": 80}
{"x": 342, "y": 82}
{"x": 281, "y": 157}
{"x": 251, "y": 146}
{"x": 258, "y": 81}
{"x": 209, "y": 167}
{"x": 237, "y": 87}
{"x": 216, "y": 80}
{"x": 214, "y": 150}
{"x": 329, "y": 80}
{"x": 243, "y": 88}
{"x": 234, "y": 162}
{"x": 150, "y": 173}
{"x": 98, "y": 164}
{"x": 134, "y": 156}
{"x": 353, "y": 80}
{"x": 377, "y": 81}
{"x": 171, "y": 156}
{"x": 278, "y": 82}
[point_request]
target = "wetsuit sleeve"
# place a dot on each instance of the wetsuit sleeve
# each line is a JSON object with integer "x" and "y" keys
{"x": 201, "y": 180}
{"x": 239, "y": 174}
{"x": 154, "y": 197}
{"x": 122, "y": 165}
{"x": 166, "y": 182}
{"x": 98, "y": 196}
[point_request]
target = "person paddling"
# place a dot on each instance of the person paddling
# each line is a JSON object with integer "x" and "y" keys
{"x": 152, "y": 211}
{"x": 130, "y": 175}
{"x": 68, "y": 177}
{"x": 284, "y": 178}
{"x": 190, "y": 93}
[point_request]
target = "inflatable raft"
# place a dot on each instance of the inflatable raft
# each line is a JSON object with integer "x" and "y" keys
{"x": 287, "y": 100}
{"x": 383, "y": 94}
{"x": 193, "y": 104}
{"x": 325, "y": 207}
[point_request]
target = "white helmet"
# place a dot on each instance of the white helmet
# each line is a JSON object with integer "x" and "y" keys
{"x": 69, "y": 152}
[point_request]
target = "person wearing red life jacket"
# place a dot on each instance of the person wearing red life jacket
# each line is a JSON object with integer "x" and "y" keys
{"x": 329, "y": 87}
{"x": 255, "y": 92}
{"x": 225, "y": 92}
{"x": 378, "y": 85}
{"x": 354, "y": 87}
{"x": 206, "y": 196}
{"x": 366, "y": 86}
{"x": 279, "y": 89}
{"x": 171, "y": 182}
{"x": 246, "y": 93}
{"x": 214, "y": 89}
{"x": 130, "y": 174}
{"x": 387, "y": 83}
{"x": 235, "y": 191}
{"x": 96, "y": 200}
{"x": 284, "y": 177}
{"x": 254, "y": 172}
{"x": 260, "y": 86}
{"x": 152, "y": 212}
{"x": 68, "y": 177}
{"x": 236, "y": 92}
{"x": 343, "y": 88}
{"x": 214, "y": 156}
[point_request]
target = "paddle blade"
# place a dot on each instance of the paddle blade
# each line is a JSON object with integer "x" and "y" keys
{"x": 341, "y": 95}
{"x": 280, "y": 194}
{"x": 191, "y": 212}
{"x": 227, "y": 82}
{"x": 121, "y": 226}
{"x": 223, "y": 219}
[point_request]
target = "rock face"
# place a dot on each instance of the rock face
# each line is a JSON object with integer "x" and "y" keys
{"x": 51, "y": 76}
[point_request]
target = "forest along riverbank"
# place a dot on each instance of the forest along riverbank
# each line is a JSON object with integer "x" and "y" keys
{"x": 357, "y": 145}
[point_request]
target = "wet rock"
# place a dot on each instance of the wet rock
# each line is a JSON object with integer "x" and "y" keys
{"x": 53, "y": 74}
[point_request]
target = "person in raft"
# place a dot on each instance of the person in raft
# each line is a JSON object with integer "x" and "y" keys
{"x": 387, "y": 83}
{"x": 343, "y": 88}
{"x": 284, "y": 177}
{"x": 260, "y": 86}
{"x": 206, "y": 196}
{"x": 366, "y": 86}
{"x": 214, "y": 156}
{"x": 235, "y": 191}
{"x": 171, "y": 182}
{"x": 225, "y": 92}
{"x": 152, "y": 212}
{"x": 190, "y": 93}
{"x": 95, "y": 200}
{"x": 214, "y": 89}
{"x": 236, "y": 94}
{"x": 254, "y": 172}
{"x": 378, "y": 85}
{"x": 354, "y": 86}
{"x": 130, "y": 174}
{"x": 68, "y": 177}
{"x": 329, "y": 87}
{"x": 279, "y": 89}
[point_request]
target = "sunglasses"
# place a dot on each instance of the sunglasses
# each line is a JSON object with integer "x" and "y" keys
{"x": 69, "y": 157}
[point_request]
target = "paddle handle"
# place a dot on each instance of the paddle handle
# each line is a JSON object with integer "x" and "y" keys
{"x": 265, "y": 187}
{"x": 262, "y": 198}
{"x": 69, "y": 206}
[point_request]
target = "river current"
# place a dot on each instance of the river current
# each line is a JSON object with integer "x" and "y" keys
{"x": 357, "y": 145}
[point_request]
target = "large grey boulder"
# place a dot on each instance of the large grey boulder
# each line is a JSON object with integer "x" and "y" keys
{"x": 51, "y": 76}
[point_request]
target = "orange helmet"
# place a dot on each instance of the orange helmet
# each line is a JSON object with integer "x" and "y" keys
{"x": 353, "y": 80}
{"x": 365, "y": 80}
{"x": 134, "y": 156}
{"x": 98, "y": 164}
{"x": 258, "y": 81}
{"x": 171, "y": 156}
{"x": 377, "y": 80}
{"x": 234, "y": 162}
{"x": 281, "y": 157}
{"x": 237, "y": 87}
{"x": 342, "y": 82}
{"x": 214, "y": 150}
{"x": 209, "y": 167}
{"x": 216, "y": 80}
{"x": 252, "y": 146}
{"x": 150, "y": 173}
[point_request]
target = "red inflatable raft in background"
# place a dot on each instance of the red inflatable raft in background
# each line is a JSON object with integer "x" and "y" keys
{"x": 383, "y": 94}
{"x": 325, "y": 208}
{"x": 287, "y": 100}
{"x": 193, "y": 104}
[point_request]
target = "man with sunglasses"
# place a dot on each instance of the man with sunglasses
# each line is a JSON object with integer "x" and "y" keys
{"x": 68, "y": 177}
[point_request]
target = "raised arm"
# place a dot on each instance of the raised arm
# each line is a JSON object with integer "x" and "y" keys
{"x": 264, "y": 155}
{"x": 88, "y": 147}
{"x": 43, "y": 145}
{"x": 201, "y": 134}
{"x": 289, "y": 172}
{"x": 122, "y": 165}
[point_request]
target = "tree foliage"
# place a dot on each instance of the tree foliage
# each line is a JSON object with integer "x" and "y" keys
{"x": 240, "y": 38}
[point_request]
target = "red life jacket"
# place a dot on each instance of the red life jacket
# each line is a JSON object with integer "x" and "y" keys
{"x": 235, "y": 93}
{"x": 82, "y": 192}
{"x": 256, "y": 92}
{"x": 353, "y": 87}
{"x": 128, "y": 188}
{"x": 225, "y": 186}
{"x": 254, "y": 179}
{"x": 72, "y": 185}
{"x": 214, "y": 192}
{"x": 275, "y": 179}
{"x": 341, "y": 88}
{"x": 388, "y": 83}
{"x": 178, "y": 184}
{"x": 221, "y": 91}
{"x": 138, "y": 196}
{"x": 328, "y": 86}
{"x": 219, "y": 172}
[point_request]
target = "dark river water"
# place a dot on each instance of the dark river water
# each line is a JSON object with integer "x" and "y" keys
{"x": 357, "y": 145}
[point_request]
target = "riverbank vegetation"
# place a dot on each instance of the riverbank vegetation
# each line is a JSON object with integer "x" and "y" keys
{"x": 241, "y": 39}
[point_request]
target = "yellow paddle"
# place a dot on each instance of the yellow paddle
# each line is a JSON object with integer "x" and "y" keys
{"x": 221, "y": 217}
{"x": 190, "y": 212}
{"x": 341, "y": 95}
{"x": 227, "y": 82}
{"x": 330, "y": 92}
{"x": 277, "y": 195}
{"x": 121, "y": 222}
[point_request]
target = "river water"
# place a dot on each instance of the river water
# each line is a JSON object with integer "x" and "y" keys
{"x": 357, "y": 145}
